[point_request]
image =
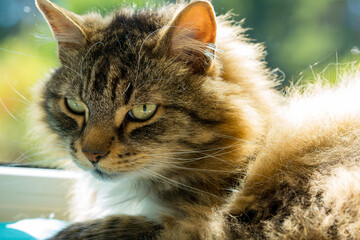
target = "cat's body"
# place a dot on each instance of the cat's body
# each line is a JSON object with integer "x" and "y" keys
{"x": 305, "y": 183}
{"x": 166, "y": 127}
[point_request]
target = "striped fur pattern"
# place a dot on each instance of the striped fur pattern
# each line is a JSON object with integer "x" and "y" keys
{"x": 221, "y": 158}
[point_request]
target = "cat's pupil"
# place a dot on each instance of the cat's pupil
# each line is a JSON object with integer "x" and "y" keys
{"x": 144, "y": 108}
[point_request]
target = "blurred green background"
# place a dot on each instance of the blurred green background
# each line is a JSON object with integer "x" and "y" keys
{"x": 302, "y": 38}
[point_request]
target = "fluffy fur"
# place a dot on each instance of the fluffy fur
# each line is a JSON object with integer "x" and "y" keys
{"x": 304, "y": 184}
{"x": 222, "y": 157}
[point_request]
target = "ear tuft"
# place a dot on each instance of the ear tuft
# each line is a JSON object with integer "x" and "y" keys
{"x": 64, "y": 25}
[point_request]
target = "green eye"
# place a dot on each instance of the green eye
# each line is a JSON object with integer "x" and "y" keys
{"x": 75, "y": 107}
{"x": 143, "y": 112}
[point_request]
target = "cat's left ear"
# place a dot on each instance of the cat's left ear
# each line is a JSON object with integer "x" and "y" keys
{"x": 192, "y": 35}
{"x": 64, "y": 24}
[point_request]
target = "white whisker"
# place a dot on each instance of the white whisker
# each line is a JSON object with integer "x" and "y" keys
{"x": 34, "y": 56}
{"x": 23, "y": 155}
{"x": 36, "y": 163}
{"x": 83, "y": 59}
{"x": 8, "y": 111}
{"x": 178, "y": 184}
{"x": 173, "y": 165}
{"x": 139, "y": 54}
{"x": 17, "y": 92}
{"x": 24, "y": 54}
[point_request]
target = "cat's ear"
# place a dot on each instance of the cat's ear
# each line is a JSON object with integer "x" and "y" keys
{"x": 192, "y": 35}
{"x": 64, "y": 24}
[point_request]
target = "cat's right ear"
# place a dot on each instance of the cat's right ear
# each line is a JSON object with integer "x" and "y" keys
{"x": 192, "y": 34}
{"x": 65, "y": 25}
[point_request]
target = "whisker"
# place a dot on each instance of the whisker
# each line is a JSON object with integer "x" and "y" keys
{"x": 139, "y": 54}
{"x": 189, "y": 151}
{"x": 219, "y": 153}
{"x": 198, "y": 169}
{"x": 178, "y": 152}
{"x": 36, "y": 145}
{"x": 19, "y": 100}
{"x": 36, "y": 163}
{"x": 83, "y": 59}
{"x": 34, "y": 56}
{"x": 23, "y": 155}
{"x": 17, "y": 92}
{"x": 205, "y": 156}
{"x": 178, "y": 184}
{"x": 237, "y": 169}
{"x": 8, "y": 111}
{"x": 24, "y": 54}
{"x": 127, "y": 88}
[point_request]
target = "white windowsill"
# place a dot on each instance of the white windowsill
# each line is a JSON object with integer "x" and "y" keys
{"x": 33, "y": 193}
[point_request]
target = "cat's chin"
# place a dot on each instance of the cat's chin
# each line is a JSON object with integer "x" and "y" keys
{"x": 104, "y": 176}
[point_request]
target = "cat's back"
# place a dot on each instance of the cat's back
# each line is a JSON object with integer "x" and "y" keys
{"x": 305, "y": 183}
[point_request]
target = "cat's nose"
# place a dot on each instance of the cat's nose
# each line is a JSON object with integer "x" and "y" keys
{"x": 94, "y": 156}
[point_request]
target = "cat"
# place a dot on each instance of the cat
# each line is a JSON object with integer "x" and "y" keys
{"x": 172, "y": 116}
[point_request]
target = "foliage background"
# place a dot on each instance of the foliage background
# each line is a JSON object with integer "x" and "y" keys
{"x": 302, "y": 37}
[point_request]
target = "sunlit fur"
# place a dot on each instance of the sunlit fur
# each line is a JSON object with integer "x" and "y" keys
{"x": 223, "y": 157}
{"x": 305, "y": 182}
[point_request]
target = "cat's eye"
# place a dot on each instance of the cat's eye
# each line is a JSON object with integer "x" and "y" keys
{"x": 143, "y": 112}
{"x": 75, "y": 106}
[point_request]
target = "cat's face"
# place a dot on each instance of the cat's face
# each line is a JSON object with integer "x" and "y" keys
{"x": 124, "y": 101}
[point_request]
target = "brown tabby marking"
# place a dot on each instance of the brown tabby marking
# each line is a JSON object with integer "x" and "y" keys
{"x": 217, "y": 127}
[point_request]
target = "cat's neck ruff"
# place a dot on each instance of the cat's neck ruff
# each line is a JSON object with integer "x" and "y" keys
{"x": 130, "y": 195}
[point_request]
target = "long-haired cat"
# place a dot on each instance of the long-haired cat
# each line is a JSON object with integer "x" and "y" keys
{"x": 172, "y": 117}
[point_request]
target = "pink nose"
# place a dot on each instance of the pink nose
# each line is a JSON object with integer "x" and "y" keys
{"x": 94, "y": 157}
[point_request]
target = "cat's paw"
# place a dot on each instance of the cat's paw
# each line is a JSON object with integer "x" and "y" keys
{"x": 75, "y": 231}
{"x": 111, "y": 228}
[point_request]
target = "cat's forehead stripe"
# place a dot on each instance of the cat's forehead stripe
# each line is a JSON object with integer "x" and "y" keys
{"x": 128, "y": 92}
{"x": 99, "y": 79}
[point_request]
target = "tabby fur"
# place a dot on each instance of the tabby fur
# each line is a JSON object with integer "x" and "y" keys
{"x": 223, "y": 157}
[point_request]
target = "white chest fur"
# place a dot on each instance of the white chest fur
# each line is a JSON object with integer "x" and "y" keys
{"x": 130, "y": 196}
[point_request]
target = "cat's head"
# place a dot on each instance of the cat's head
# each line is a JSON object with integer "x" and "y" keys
{"x": 138, "y": 91}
